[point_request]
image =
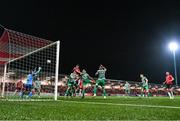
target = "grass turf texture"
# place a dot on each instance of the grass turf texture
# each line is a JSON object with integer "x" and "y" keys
{"x": 112, "y": 108}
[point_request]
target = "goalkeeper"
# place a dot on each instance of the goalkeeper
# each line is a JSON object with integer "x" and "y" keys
{"x": 29, "y": 82}
{"x": 101, "y": 80}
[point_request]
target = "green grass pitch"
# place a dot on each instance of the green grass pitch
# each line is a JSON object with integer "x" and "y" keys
{"x": 112, "y": 108}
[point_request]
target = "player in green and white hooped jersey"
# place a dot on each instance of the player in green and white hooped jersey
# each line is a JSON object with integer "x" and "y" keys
{"x": 86, "y": 80}
{"x": 101, "y": 80}
{"x": 71, "y": 83}
{"x": 144, "y": 86}
{"x": 127, "y": 88}
{"x": 37, "y": 86}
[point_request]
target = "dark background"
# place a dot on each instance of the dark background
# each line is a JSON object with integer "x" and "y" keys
{"x": 128, "y": 38}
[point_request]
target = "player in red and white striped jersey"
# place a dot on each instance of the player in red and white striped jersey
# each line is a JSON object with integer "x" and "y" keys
{"x": 168, "y": 84}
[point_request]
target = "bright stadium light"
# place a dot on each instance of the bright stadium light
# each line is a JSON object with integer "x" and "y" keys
{"x": 173, "y": 46}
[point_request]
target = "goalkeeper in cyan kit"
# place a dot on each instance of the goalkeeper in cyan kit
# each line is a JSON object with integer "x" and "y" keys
{"x": 29, "y": 83}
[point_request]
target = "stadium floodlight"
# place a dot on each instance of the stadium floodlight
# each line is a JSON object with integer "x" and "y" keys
{"x": 173, "y": 46}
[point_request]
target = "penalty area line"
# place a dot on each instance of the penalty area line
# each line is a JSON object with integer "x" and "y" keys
{"x": 130, "y": 105}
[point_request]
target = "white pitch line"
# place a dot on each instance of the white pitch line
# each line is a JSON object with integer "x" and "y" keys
{"x": 132, "y": 105}
{"x": 96, "y": 103}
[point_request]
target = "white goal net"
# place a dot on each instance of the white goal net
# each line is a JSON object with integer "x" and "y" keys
{"x": 30, "y": 66}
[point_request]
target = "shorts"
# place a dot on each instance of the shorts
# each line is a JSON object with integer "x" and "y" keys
{"x": 37, "y": 87}
{"x": 77, "y": 83}
{"x": 86, "y": 81}
{"x": 19, "y": 89}
{"x": 100, "y": 82}
{"x": 145, "y": 87}
{"x": 28, "y": 87}
{"x": 127, "y": 91}
{"x": 168, "y": 86}
{"x": 71, "y": 83}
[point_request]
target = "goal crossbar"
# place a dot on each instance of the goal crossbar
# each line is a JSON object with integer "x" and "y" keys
{"x": 30, "y": 53}
{"x": 57, "y": 44}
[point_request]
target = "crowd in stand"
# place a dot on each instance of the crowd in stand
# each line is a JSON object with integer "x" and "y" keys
{"x": 117, "y": 88}
{"x": 113, "y": 87}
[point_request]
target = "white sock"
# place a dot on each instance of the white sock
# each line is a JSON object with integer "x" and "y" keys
{"x": 169, "y": 94}
{"x": 80, "y": 93}
{"x": 172, "y": 94}
{"x": 15, "y": 92}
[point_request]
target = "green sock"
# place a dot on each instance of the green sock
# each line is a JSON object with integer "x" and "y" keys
{"x": 72, "y": 92}
{"x": 66, "y": 94}
{"x": 95, "y": 89}
{"x": 83, "y": 92}
{"x": 104, "y": 91}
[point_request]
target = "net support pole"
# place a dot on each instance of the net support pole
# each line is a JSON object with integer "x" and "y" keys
{"x": 57, "y": 70}
{"x": 4, "y": 79}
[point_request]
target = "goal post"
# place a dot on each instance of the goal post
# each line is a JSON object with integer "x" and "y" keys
{"x": 3, "y": 80}
{"x": 29, "y": 58}
{"x": 57, "y": 70}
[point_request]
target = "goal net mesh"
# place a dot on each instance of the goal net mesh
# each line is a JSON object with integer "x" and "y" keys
{"x": 27, "y": 58}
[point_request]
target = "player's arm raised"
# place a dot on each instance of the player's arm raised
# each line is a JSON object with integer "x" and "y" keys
{"x": 39, "y": 69}
{"x": 146, "y": 81}
{"x": 172, "y": 78}
{"x": 104, "y": 68}
{"x": 97, "y": 73}
{"x": 165, "y": 82}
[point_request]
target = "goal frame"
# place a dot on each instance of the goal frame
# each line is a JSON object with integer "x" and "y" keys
{"x": 57, "y": 43}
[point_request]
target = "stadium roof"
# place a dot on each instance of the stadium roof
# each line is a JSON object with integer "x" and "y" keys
{"x": 14, "y": 44}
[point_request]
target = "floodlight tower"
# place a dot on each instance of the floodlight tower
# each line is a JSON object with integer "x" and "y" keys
{"x": 173, "y": 46}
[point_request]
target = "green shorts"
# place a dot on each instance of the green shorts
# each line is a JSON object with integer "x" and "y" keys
{"x": 146, "y": 87}
{"x": 37, "y": 85}
{"x": 100, "y": 82}
{"x": 127, "y": 91}
{"x": 71, "y": 83}
{"x": 86, "y": 81}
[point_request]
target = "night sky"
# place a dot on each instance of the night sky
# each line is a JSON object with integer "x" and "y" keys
{"x": 128, "y": 38}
